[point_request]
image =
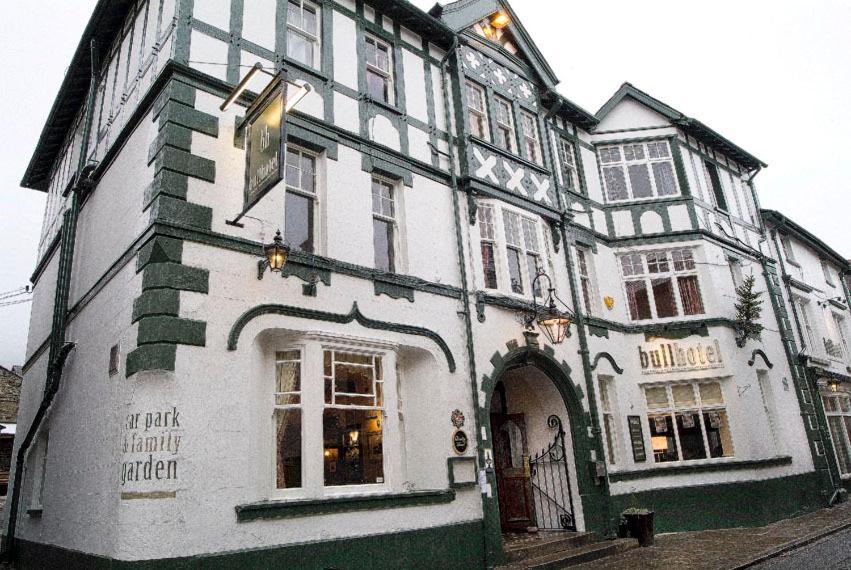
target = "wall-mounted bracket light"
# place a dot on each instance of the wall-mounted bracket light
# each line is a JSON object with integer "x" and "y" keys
{"x": 552, "y": 320}
{"x": 275, "y": 256}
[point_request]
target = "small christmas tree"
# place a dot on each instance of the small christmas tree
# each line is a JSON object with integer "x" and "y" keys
{"x": 748, "y": 310}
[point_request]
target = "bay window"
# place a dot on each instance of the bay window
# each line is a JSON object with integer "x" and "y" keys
{"x": 837, "y": 407}
{"x": 477, "y": 113}
{"x": 352, "y": 419}
{"x": 303, "y": 32}
{"x": 379, "y": 70}
{"x": 531, "y": 137}
{"x": 333, "y": 406}
{"x": 300, "y": 200}
{"x": 505, "y": 124}
{"x": 661, "y": 284}
{"x": 688, "y": 422}
{"x": 512, "y": 249}
{"x": 638, "y": 170}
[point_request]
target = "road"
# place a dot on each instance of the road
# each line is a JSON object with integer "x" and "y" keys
{"x": 830, "y": 553}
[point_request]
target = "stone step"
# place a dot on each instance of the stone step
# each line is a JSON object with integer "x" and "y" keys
{"x": 546, "y": 543}
{"x": 574, "y": 556}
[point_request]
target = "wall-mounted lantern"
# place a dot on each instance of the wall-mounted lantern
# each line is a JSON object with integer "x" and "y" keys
{"x": 552, "y": 320}
{"x": 833, "y": 385}
{"x": 275, "y": 256}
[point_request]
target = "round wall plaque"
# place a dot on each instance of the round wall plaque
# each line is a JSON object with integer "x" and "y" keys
{"x": 460, "y": 442}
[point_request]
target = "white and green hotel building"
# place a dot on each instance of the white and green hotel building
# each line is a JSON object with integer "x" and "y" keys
{"x": 177, "y": 411}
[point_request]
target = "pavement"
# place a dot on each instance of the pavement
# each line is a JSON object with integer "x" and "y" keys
{"x": 823, "y": 535}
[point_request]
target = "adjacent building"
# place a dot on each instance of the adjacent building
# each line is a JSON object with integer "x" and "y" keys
{"x": 813, "y": 282}
{"x": 385, "y": 399}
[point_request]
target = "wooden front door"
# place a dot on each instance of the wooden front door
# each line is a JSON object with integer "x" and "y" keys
{"x": 511, "y": 464}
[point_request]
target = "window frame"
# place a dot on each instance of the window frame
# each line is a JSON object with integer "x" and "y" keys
{"x": 508, "y": 129}
{"x": 391, "y": 221}
{"x": 569, "y": 168}
{"x": 314, "y": 39}
{"x": 480, "y": 114}
{"x": 312, "y": 348}
{"x": 623, "y": 164}
{"x": 523, "y": 248}
{"x": 699, "y": 408}
{"x": 300, "y": 191}
{"x": 387, "y": 75}
{"x": 532, "y": 139}
{"x": 828, "y": 276}
{"x": 587, "y": 279}
{"x": 610, "y": 414}
{"x": 674, "y": 275}
{"x": 844, "y": 413}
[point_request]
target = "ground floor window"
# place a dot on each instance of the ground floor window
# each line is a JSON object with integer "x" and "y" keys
{"x": 837, "y": 407}
{"x": 329, "y": 417}
{"x": 688, "y": 421}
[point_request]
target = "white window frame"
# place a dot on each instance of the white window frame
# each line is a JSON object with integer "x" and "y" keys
{"x": 788, "y": 250}
{"x": 532, "y": 148}
{"x": 837, "y": 324}
{"x": 312, "y": 348}
{"x": 306, "y": 193}
{"x": 615, "y": 157}
{"x": 314, "y": 39}
{"x": 610, "y": 415}
{"x": 671, "y": 273}
{"x": 840, "y": 408}
{"x": 569, "y": 168}
{"x": 387, "y": 74}
{"x": 395, "y": 193}
{"x": 807, "y": 323}
{"x": 587, "y": 279}
{"x": 828, "y": 276}
{"x": 507, "y": 127}
{"x": 475, "y": 113}
{"x": 40, "y": 471}
{"x": 699, "y": 408}
{"x": 524, "y": 247}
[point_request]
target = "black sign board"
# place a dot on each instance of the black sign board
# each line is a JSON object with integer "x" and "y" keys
{"x": 265, "y": 141}
{"x": 636, "y": 436}
{"x": 460, "y": 442}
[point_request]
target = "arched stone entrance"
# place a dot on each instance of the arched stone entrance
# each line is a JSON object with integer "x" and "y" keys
{"x": 540, "y": 387}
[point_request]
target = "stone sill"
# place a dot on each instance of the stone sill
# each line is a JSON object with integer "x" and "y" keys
{"x": 619, "y": 476}
{"x": 284, "y": 509}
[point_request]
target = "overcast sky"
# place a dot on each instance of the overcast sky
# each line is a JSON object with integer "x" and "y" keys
{"x": 772, "y": 76}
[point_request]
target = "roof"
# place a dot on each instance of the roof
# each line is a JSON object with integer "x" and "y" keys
{"x": 104, "y": 25}
{"x": 688, "y": 124}
{"x": 462, "y": 14}
{"x": 573, "y": 112}
{"x": 777, "y": 219}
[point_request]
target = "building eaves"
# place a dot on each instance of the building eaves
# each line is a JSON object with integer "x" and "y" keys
{"x": 778, "y": 220}
{"x": 561, "y": 105}
{"x": 103, "y": 27}
{"x": 690, "y": 125}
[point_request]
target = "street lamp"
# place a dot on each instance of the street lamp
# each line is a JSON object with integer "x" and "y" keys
{"x": 554, "y": 322}
{"x": 274, "y": 256}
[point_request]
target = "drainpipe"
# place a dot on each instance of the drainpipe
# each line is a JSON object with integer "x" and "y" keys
{"x": 584, "y": 353}
{"x": 495, "y": 557}
{"x": 821, "y": 418}
{"x": 59, "y": 348}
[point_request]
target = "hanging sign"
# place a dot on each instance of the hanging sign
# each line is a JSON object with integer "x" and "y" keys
{"x": 636, "y": 437}
{"x": 460, "y": 442}
{"x": 265, "y": 141}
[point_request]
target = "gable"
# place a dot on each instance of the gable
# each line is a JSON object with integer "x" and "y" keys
{"x": 465, "y": 15}
{"x": 630, "y": 114}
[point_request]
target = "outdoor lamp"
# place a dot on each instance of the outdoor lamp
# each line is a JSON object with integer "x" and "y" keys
{"x": 833, "y": 384}
{"x": 554, "y": 322}
{"x": 275, "y": 256}
{"x": 258, "y": 67}
{"x": 500, "y": 20}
